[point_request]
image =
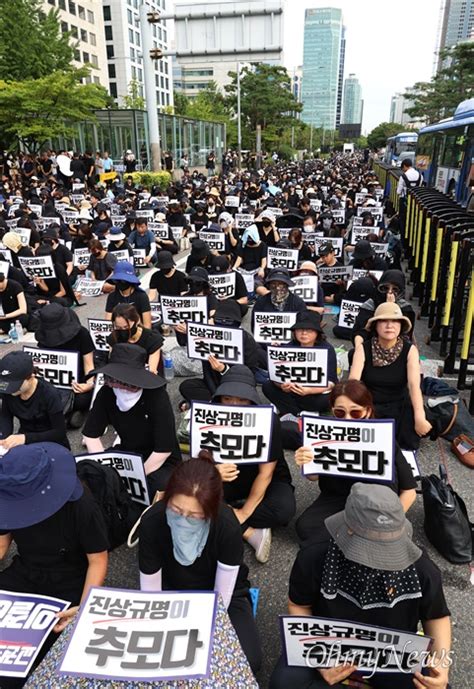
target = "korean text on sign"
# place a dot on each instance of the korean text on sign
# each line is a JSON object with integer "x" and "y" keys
{"x": 303, "y": 365}
{"x": 224, "y": 343}
{"x": 306, "y": 287}
{"x": 272, "y": 327}
{"x": 131, "y": 470}
{"x": 239, "y": 435}
{"x": 37, "y": 267}
{"x": 142, "y": 636}
{"x": 214, "y": 240}
{"x": 282, "y": 258}
{"x": 335, "y": 273}
{"x": 176, "y": 310}
{"x": 353, "y": 449}
{"x": 57, "y": 367}
{"x": 99, "y": 330}
{"x": 348, "y": 313}
{"x": 223, "y": 286}
{"x": 88, "y": 287}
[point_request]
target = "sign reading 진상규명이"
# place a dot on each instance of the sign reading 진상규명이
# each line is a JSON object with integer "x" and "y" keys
{"x": 306, "y": 287}
{"x": 320, "y": 642}
{"x": 350, "y": 448}
{"x": 377, "y": 213}
{"x": 99, "y": 330}
{"x": 282, "y": 258}
{"x": 176, "y": 310}
{"x": 226, "y": 344}
{"x": 82, "y": 257}
{"x": 130, "y": 467}
{"x": 380, "y": 248}
{"x": 272, "y": 327}
{"x": 306, "y": 366}
{"x": 358, "y": 273}
{"x": 58, "y": 367}
{"x": 223, "y": 285}
{"x": 214, "y": 240}
{"x": 339, "y": 216}
{"x": 88, "y": 287}
{"x": 142, "y": 636}
{"x": 37, "y": 267}
{"x": 348, "y": 313}
{"x": 26, "y": 620}
{"x": 235, "y": 434}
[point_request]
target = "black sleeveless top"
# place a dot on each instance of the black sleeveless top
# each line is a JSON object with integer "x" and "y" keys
{"x": 388, "y": 384}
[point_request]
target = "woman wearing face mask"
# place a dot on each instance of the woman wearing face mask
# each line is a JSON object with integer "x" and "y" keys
{"x": 251, "y": 252}
{"x": 127, "y": 328}
{"x": 267, "y": 228}
{"x": 279, "y": 298}
{"x": 327, "y": 225}
{"x": 297, "y": 242}
{"x": 101, "y": 263}
{"x": 191, "y": 541}
{"x": 127, "y": 291}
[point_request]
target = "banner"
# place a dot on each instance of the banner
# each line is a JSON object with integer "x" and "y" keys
{"x": 380, "y": 249}
{"x": 136, "y": 636}
{"x": 303, "y": 365}
{"x": 139, "y": 256}
{"x": 337, "y": 243}
{"x": 4, "y": 268}
{"x": 82, "y": 257}
{"x": 37, "y": 267}
{"x": 227, "y": 344}
{"x": 176, "y": 310}
{"x": 5, "y": 254}
{"x": 88, "y": 287}
{"x": 99, "y": 330}
{"x": 107, "y": 176}
{"x": 58, "y": 367}
{"x": 214, "y": 240}
{"x": 25, "y": 622}
{"x": 118, "y": 220}
{"x": 223, "y": 286}
{"x": 235, "y": 434}
{"x": 282, "y": 258}
{"x": 348, "y": 313}
{"x": 272, "y": 327}
{"x": 346, "y": 447}
{"x": 306, "y": 287}
{"x": 130, "y": 467}
{"x": 319, "y": 642}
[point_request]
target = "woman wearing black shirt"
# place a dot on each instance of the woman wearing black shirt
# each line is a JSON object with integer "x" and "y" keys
{"x": 57, "y": 289}
{"x": 127, "y": 291}
{"x": 127, "y": 328}
{"x": 13, "y": 304}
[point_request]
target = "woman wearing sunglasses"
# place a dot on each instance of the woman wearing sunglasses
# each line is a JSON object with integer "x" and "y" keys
{"x": 349, "y": 400}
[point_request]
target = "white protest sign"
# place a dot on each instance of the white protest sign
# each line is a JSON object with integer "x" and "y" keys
{"x": 306, "y": 287}
{"x": 361, "y": 273}
{"x": 36, "y": 208}
{"x": 410, "y": 456}
{"x": 176, "y": 310}
{"x": 177, "y": 233}
{"x": 99, "y": 330}
{"x": 272, "y": 327}
{"x": 70, "y": 217}
{"x": 235, "y": 434}
{"x": 223, "y": 285}
{"x": 88, "y": 287}
{"x": 359, "y": 233}
{"x": 5, "y": 254}
{"x": 315, "y": 204}
{"x": 130, "y": 467}
{"x": 306, "y": 366}
{"x": 249, "y": 278}
{"x": 322, "y": 642}
{"x": 159, "y": 229}
{"x": 82, "y": 257}
{"x": 37, "y": 267}
{"x": 339, "y": 216}
{"x": 362, "y": 449}
{"x": 122, "y": 255}
{"x": 360, "y": 197}
{"x": 24, "y": 233}
{"x": 4, "y": 268}
{"x": 162, "y": 200}
{"x": 166, "y": 636}
{"x": 78, "y": 187}
{"x": 227, "y": 344}
{"x": 377, "y": 213}
{"x": 58, "y": 367}
{"x": 99, "y": 383}
{"x": 282, "y": 258}
{"x": 232, "y": 201}
{"x": 337, "y": 243}
{"x": 348, "y": 313}
{"x": 243, "y": 220}
{"x": 380, "y": 249}
{"x": 147, "y": 213}
{"x": 155, "y": 310}
{"x": 357, "y": 221}
{"x": 139, "y": 256}
{"x": 214, "y": 240}
{"x": 118, "y": 220}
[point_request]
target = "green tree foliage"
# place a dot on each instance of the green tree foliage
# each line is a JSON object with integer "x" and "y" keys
{"x": 31, "y": 43}
{"x": 180, "y": 103}
{"x": 133, "y": 100}
{"x": 378, "y": 136}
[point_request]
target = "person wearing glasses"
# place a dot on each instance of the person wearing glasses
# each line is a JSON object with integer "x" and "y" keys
{"x": 349, "y": 400}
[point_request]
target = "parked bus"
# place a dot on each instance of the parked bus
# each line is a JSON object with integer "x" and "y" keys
{"x": 399, "y": 147}
{"x": 445, "y": 153}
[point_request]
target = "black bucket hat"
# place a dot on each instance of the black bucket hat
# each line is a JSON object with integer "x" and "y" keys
{"x": 308, "y": 320}
{"x": 127, "y": 365}
{"x": 280, "y": 275}
{"x": 228, "y": 310}
{"x": 363, "y": 250}
{"x": 199, "y": 249}
{"x": 58, "y": 324}
{"x": 239, "y": 381}
{"x": 198, "y": 274}
{"x": 165, "y": 260}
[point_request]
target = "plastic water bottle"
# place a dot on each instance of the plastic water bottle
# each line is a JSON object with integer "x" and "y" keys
{"x": 19, "y": 330}
{"x": 168, "y": 366}
{"x": 12, "y": 333}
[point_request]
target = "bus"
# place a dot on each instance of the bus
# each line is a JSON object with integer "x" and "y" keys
{"x": 399, "y": 147}
{"x": 445, "y": 153}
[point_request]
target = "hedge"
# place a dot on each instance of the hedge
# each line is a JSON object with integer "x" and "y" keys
{"x": 150, "y": 179}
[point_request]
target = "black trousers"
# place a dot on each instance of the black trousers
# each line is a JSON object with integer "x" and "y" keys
{"x": 310, "y": 523}
{"x": 158, "y": 480}
{"x": 195, "y": 389}
{"x": 243, "y": 621}
{"x": 289, "y": 403}
{"x": 277, "y": 508}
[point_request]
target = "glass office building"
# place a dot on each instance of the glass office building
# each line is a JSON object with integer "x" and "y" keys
{"x": 352, "y": 103}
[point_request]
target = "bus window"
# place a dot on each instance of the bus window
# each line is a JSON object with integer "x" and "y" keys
{"x": 453, "y": 149}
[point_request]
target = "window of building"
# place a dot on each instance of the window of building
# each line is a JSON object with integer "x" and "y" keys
{"x": 167, "y": 98}
{"x": 64, "y": 27}
{"x": 96, "y": 80}
{"x": 131, "y": 36}
{"x": 110, "y": 51}
{"x": 92, "y": 39}
{"x": 140, "y": 74}
{"x": 109, "y": 33}
{"x": 134, "y": 72}
{"x": 162, "y": 82}
{"x": 90, "y": 16}
{"x": 52, "y": 2}
{"x": 62, "y": 4}
{"x": 83, "y": 35}
{"x": 74, "y": 31}
{"x": 113, "y": 89}
{"x": 72, "y": 7}
{"x": 137, "y": 38}
{"x": 132, "y": 53}
{"x": 135, "y": 4}
{"x": 107, "y": 13}
{"x": 81, "y": 12}
{"x": 77, "y": 54}
{"x": 129, "y": 16}
{"x": 85, "y": 57}
{"x": 112, "y": 71}
{"x": 95, "y": 60}
{"x": 158, "y": 28}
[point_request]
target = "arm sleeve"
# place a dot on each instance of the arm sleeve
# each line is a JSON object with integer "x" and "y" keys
{"x": 149, "y": 554}
{"x": 226, "y": 576}
{"x": 359, "y": 325}
{"x": 55, "y": 434}
{"x": 433, "y": 603}
{"x": 92, "y": 530}
{"x": 164, "y": 434}
{"x": 151, "y": 582}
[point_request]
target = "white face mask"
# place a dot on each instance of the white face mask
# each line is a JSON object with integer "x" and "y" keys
{"x": 126, "y": 399}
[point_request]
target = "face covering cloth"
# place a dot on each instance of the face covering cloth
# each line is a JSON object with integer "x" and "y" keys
{"x": 189, "y": 536}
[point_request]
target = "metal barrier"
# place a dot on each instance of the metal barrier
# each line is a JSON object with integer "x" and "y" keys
{"x": 388, "y": 177}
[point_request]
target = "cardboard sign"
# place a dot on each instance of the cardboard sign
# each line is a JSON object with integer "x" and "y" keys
{"x": 348, "y": 313}
{"x": 377, "y": 213}
{"x": 82, "y": 257}
{"x": 118, "y": 220}
{"x": 223, "y": 285}
{"x": 4, "y": 268}
{"x": 5, "y": 255}
{"x": 339, "y": 216}
{"x": 159, "y": 229}
{"x": 139, "y": 256}
{"x": 214, "y": 240}
{"x": 380, "y": 249}
{"x": 99, "y": 330}
{"x": 243, "y": 220}
{"x": 136, "y": 636}
{"x": 362, "y": 449}
{"x": 282, "y": 258}
{"x": 306, "y": 366}
{"x": 130, "y": 467}
{"x": 319, "y": 642}
{"x": 232, "y": 201}
{"x": 26, "y": 621}
{"x": 306, "y": 287}
{"x": 176, "y": 310}
{"x": 227, "y": 344}
{"x": 273, "y": 327}
{"x": 58, "y": 367}
{"x": 334, "y": 273}
{"x": 88, "y": 287}
{"x": 337, "y": 243}
{"x": 234, "y": 434}
{"x": 37, "y": 267}
{"x": 24, "y": 233}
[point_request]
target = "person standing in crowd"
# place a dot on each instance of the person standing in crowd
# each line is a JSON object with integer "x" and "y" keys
{"x": 127, "y": 291}
{"x": 409, "y": 179}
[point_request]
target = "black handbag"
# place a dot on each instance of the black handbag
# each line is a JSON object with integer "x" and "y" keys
{"x": 446, "y": 524}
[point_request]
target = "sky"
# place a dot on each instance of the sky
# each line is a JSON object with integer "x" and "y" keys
{"x": 389, "y": 46}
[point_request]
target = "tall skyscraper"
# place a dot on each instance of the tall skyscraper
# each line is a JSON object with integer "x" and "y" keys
{"x": 456, "y": 23}
{"x": 352, "y": 103}
{"x": 323, "y": 67}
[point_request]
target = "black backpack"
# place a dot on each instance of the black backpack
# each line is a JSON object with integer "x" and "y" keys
{"x": 119, "y": 510}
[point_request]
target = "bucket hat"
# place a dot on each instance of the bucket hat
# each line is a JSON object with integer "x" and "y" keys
{"x": 198, "y": 274}
{"x": 372, "y": 529}
{"x": 389, "y": 311}
{"x": 127, "y": 365}
{"x": 307, "y": 320}
{"x": 199, "y": 249}
{"x": 165, "y": 260}
{"x": 280, "y": 275}
{"x": 226, "y": 218}
{"x": 308, "y": 265}
{"x": 116, "y": 234}
{"x": 220, "y": 264}
{"x": 36, "y": 480}
{"x": 58, "y": 324}
{"x": 228, "y": 309}
{"x": 15, "y": 367}
{"x": 12, "y": 241}
{"x": 124, "y": 271}
{"x": 362, "y": 250}
{"x": 239, "y": 381}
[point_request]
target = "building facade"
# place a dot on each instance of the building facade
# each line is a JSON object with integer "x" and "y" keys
{"x": 191, "y": 78}
{"x": 456, "y": 24}
{"x": 323, "y": 67}
{"x": 352, "y": 103}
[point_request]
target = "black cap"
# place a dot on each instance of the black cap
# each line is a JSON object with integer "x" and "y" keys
{"x": 165, "y": 260}
{"x": 326, "y": 248}
{"x": 199, "y": 274}
{"x": 308, "y": 320}
{"x": 280, "y": 275}
{"x": 15, "y": 367}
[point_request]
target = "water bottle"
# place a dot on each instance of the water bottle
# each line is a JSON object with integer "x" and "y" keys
{"x": 168, "y": 366}
{"x": 19, "y": 330}
{"x": 12, "y": 333}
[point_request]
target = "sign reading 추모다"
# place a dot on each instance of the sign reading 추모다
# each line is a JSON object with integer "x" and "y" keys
{"x": 226, "y": 344}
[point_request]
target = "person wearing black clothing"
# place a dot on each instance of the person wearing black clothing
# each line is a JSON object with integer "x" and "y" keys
{"x": 78, "y": 168}
{"x": 327, "y": 259}
{"x": 175, "y": 216}
{"x": 364, "y": 257}
{"x": 359, "y": 291}
{"x": 127, "y": 291}
{"x": 12, "y": 241}
{"x": 198, "y": 281}
{"x": 62, "y": 255}
{"x": 200, "y": 256}
{"x": 36, "y": 404}
{"x": 57, "y": 289}
{"x": 167, "y": 280}
{"x": 267, "y": 229}
{"x": 101, "y": 262}
{"x": 199, "y": 217}
{"x": 279, "y": 299}
{"x": 221, "y": 266}
{"x": 297, "y": 242}
{"x": 127, "y": 328}
{"x": 13, "y": 304}
{"x": 118, "y": 242}
{"x": 251, "y": 252}
{"x": 135, "y": 403}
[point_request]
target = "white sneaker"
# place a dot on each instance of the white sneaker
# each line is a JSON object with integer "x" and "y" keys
{"x": 263, "y": 551}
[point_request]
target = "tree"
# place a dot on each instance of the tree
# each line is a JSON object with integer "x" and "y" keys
{"x": 34, "y": 111}
{"x": 133, "y": 100}
{"x": 378, "y": 136}
{"x": 180, "y": 103}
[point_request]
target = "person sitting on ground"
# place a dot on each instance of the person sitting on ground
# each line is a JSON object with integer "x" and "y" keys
{"x": 13, "y": 304}
{"x": 308, "y": 268}
{"x": 359, "y": 291}
{"x": 279, "y": 298}
{"x": 118, "y": 244}
{"x": 127, "y": 291}
{"x": 128, "y": 328}
{"x": 167, "y": 280}
{"x": 222, "y": 266}
{"x": 143, "y": 238}
{"x": 12, "y": 241}
{"x": 55, "y": 289}
{"x": 200, "y": 256}
{"x": 365, "y": 258}
{"x": 327, "y": 259}
{"x": 101, "y": 263}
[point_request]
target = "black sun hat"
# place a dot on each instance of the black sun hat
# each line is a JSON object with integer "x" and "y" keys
{"x": 127, "y": 365}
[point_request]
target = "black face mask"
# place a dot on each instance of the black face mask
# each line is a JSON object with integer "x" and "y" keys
{"x": 121, "y": 335}
{"x": 122, "y": 285}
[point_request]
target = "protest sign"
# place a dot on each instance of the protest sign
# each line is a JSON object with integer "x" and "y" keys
{"x": 147, "y": 213}
{"x": 358, "y": 273}
{"x": 37, "y": 267}
{"x": 348, "y": 313}
{"x": 235, "y": 434}
{"x": 99, "y": 330}
{"x": 5, "y": 254}
{"x": 166, "y": 636}
{"x": 26, "y": 620}
{"x": 130, "y": 467}
{"x": 306, "y": 287}
{"x": 357, "y": 221}
{"x": 306, "y": 366}
{"x": 159, "y": 229}
{"x": 58, "y": 367}
{"x": 377, "y": 213}
{"x": 360, "y": 197}
{"x": 227, "y": 344}
{"x": 410, "y": 456}
{"x": 155, "y": 309}
{"x": 139, "y": 256}
{"x": 214, "y": 240}
{"x": 122, "y": 255}
{"x": 232, "y": 201}
{"x": 315, "y": 204}
{"x": 249, "y": 278}
{"x": 36, "y": 208}
{"x": 118, "y": 220}
{"x": 337, "y": 243}
{"x": 12, "y": 223}
{"x": 88, "y": 287}
{"x": 223, "y": 285}
{"x": 350, "y": 448}
{"x": 24, "y": 233}
{"x": 339, "y": 216}
{"x": 162, "y": 200}
{"x": 82, "y": 257}
{"x": 282, "y": 258}
{"x": 380, "y": 249}
{"x": 272, "y": 327}
{"x": 99, "y": 383}
{"x": 334, "y": 273}
{"x": 243, "y": 220}
{"x": 70, "y": 217}
{"x": 176, "y": 310}
{"x": 360, "y": 232}
{"x": 320, "y": 642}
{"x": 310, "y": 237}
{"x": 4, "y": 268}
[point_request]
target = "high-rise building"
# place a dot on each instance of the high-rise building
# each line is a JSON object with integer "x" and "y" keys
{"x": 352, "y": 103}
{"x": 398, "y": 108}
{"x": 456, "y": 24}
{"x": 323, "y": 67}
{"x": 84, "y": 21}
{"x": 123, "y": 42}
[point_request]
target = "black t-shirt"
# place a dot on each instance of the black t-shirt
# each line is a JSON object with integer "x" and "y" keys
{"x": 102, "y": 267}
{"x": 252, "y": 255}
{"x": 62, "y": 255}
{"x": 224, "y": 544}
{"x": 9, "y": 296}
{"x": 138, "y": 298}
{"x": 330, "y": 288}
{"x": 82, "y": 343}
{"x": 169, "y": 287}
{"x": 149, "y": 340}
